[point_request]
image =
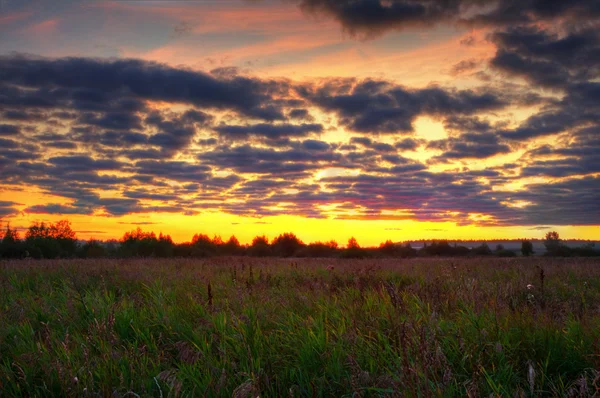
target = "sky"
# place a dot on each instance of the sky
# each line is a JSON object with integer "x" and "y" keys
{"x": 378, "y": 119}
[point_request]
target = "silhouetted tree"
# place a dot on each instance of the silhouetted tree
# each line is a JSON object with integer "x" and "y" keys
{"x": 138, "y": 243}
{"x": 203, "y": 246}
{"x": 552, "y": 242}
{"x": 9, "y": 235}
{"x": 10, "y": 244}
{"x": 217, "y": 241}
{"x": 92, "y": 249}
{"x": 353, "y": 249}
{"x": 260, "y": 247}
{"x": 286, "y": 245}
{"x": 232, "y": 247}
{"x": 438, "y": 248}
{"x": 47, "y": 240}
{"x": 319, "y": 249}
{"x": 526, "y": 248}
{"x": 482, "y": 250}
{"x": 65, "y": 237}
{"x": 443, "y": 248}
{"x": 51, "y": 240}
{"x": 587, "y": 250}
{"x": 164, "y": 246}
{"x": 388, "y": 248}
{"x": 407, "y": 250}
{"x": 352, "y": 243}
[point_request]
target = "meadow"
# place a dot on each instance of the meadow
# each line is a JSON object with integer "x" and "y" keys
{"x": 248, "y": 327}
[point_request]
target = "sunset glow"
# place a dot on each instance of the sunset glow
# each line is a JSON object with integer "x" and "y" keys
{"x": 255, "y": 118}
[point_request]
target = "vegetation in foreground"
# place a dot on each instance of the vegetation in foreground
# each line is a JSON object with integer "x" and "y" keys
{"x": 247, "y": 327}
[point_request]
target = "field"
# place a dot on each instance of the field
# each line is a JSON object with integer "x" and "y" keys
{"x": 246, "y": 327}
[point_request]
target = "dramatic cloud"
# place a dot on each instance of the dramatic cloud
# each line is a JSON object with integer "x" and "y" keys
{"x": 469, "y": 145}
{"x": 369, "y": 18}
{"x": 548, "y": 59}
{"x": 505, "y": 132}
{"x": 7, "y": 208}
{"x": 380, "y": 107}
{"x": 82, "y": 83}
{"x": 270, "y": 131}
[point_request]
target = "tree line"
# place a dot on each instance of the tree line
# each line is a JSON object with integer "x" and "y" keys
{"x": 58, "y": 240}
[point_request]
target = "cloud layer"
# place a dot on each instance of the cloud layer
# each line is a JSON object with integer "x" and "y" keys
{"x": 112, "y": 137}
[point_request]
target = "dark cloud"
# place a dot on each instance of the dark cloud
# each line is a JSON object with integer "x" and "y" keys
{"x": 8, "y": 129}
{"x": 301, "y": 114}
{"x": 80, "y": 83}
{"x": 108, "y": 206}
{"x": 270, "y": 131}
{"x": 368, "y": 18}
{"x": 121, "y": 139}
{"x": 207, "y": 142}
{"x": 371, "y": 17}
{"x": 540, "y": 228}
{"x": 315, "y": 145}
{"x": 106, "y": 138}
{"x": 9, "y": 144}
{"x": 407, "y": 144}
{"x": 372, "y": 106}
{"x": 72, "y": 164}
{"x": 580, "y": 155}
{"x": 61, "y": 145}
{"x": 547, "y": 59}
{"x": 21, "y": 116}
{"x": 7, "y": 208}
{"x": 113, "y": 120}
{"x": 248, "y": 159}
{"x": 55, "y": 208}
{"x": 469, "y": 145}
{"x": 579, "y": 107}
{"x": 571, "y": 202}
{"x": 368, "y": 143}
{"x": 173, "y": 170}
{"x": 144, "y": 194}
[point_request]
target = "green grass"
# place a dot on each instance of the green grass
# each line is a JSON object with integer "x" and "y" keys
{"x": 274, "y": 327}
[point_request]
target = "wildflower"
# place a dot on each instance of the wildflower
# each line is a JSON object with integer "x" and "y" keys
{"x": 529, "y": 286}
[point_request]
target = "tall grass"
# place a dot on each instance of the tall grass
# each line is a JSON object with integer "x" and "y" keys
{"x": 247, "y": 327}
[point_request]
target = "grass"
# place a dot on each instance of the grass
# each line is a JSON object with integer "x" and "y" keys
{"x": 314, "y": 328}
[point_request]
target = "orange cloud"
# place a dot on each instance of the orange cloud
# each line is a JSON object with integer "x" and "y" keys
{"x": 43, "y": 28}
